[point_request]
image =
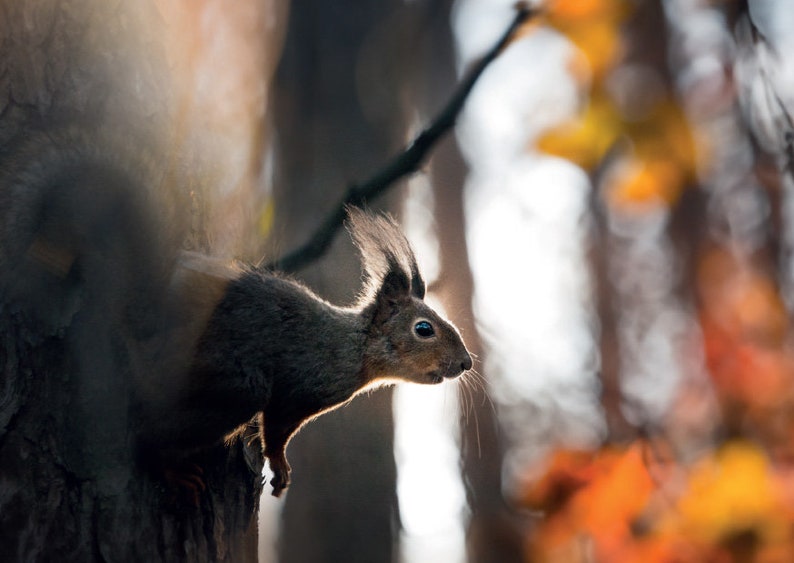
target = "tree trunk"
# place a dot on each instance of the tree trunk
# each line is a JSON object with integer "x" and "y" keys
{"x": 75, "y": 312}
{"x": 493, "y": 531}
{"x": 335, "y": 99}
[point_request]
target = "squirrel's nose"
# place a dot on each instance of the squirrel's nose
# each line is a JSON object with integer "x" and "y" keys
{"x": 466, "y": 363}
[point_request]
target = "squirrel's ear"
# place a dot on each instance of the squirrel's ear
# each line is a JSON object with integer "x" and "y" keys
{"x": 394, "y": 290}
{"x": 417, "y": 285}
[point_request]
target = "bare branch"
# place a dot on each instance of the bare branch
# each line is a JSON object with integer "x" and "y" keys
{"x": 405, "y": 163}
{"x": 758, "y": 38}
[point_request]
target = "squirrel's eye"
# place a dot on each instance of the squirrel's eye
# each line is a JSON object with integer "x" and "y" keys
{"x": 424, "y": 329}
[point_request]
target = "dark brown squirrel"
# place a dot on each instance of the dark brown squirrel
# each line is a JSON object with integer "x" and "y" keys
{"x": 272, "y": 345}
{"x": 89, "y": 240}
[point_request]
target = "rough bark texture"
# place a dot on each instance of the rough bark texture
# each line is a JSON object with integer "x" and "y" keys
{"x": 71, "y": 488}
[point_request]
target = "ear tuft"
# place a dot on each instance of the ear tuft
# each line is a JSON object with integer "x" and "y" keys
{"x": 417, "y": 286}
{"x": 385, "y": 253}
{"x": 395, "y": 286}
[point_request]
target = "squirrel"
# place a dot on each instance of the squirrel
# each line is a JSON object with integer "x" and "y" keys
{"x": 91, "y": 252}
{"x": 272, "y": 345}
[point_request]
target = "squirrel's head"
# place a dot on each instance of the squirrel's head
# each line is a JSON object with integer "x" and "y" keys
{"x": 406, "y": 339}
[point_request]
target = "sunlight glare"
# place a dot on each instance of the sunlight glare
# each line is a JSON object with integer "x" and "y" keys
{"x": 431, "y": 494}
{"x": 429, "y": 488}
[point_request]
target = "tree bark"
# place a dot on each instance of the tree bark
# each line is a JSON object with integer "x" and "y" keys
{"x": 71, "y": 487}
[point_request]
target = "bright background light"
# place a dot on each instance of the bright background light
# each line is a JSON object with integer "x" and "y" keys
{"x": 527, "y": 228}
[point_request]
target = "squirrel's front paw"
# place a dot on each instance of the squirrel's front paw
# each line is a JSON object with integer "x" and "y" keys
{"x": 281, "y": 471}
{"x": 280, "y": 481}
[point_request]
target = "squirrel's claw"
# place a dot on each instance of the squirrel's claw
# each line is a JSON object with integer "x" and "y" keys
{"x": 280, "y": 482}
{"x": 281, "y": 471}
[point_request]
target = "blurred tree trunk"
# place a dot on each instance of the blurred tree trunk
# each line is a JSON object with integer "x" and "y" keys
{"x": 70, "y": 487}
{"x": 336, "y": 106}
{"x": 493, "y": 535}
{"x": 616, "y": 254}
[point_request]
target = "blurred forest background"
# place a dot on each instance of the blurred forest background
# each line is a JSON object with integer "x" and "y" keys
{"x": 610, "y": 227}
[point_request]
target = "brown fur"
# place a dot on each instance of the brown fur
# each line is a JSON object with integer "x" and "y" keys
{"x": 194, "y": 348}
{"x": 272, "y": 345}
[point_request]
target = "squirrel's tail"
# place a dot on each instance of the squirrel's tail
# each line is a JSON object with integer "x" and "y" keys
{"x": 83, "y": 224}
{"x": 87, "y": 248}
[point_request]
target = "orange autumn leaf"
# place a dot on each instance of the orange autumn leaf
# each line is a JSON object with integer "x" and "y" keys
{"x": 745, "y": 330}
{"x": 740, "y": 298}
{"x": 616, "y": 496}
{"x": 744, "y": 373}
{"x": 566, "y": 472}
{"x": 569, "y": 12}
{"x": 643, "y": 184}
{"x": 760, "y": 310}
{"x": 605, "y": 494}
{"x": 593, "y": 26}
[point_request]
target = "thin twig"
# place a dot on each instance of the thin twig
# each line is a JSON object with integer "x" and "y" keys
{"x": 770, "y": 90}
{"x": 404, "y": 164}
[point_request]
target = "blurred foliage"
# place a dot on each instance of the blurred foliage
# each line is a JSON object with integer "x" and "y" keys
{"x": 637, "y": 503}
{"x": 714, "y": 481}
{"x": 593, "y": 26}
{"x": 653, "y": 142}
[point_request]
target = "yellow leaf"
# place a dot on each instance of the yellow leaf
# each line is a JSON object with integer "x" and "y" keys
{"x": 593, "y": 26}
{"x": 733, "y": 492}
{"x": 266, "y": 216}
{"x": 586, "y": 140}
{"x": 601, "y": 45}
{"x": 661, "y": 165}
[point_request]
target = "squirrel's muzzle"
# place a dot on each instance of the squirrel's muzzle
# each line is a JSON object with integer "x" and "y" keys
{"x": 457, "y": 368}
